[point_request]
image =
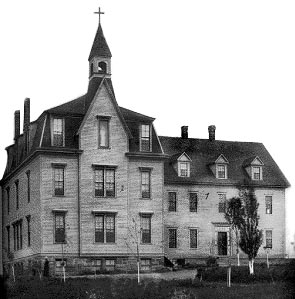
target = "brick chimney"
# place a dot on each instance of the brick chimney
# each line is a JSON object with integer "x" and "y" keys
{"x": 26, "y": 114}
{"x": 211, "y": 130}
{"x": 184, "y": 132}
{"x": 27, "y": 123}
{"x": 16, "y": 124}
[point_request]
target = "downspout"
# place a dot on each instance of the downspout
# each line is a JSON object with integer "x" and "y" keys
{"x": 79, "y": 208}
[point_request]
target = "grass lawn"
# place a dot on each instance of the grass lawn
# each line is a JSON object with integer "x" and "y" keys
{"x": 127, "y": 288}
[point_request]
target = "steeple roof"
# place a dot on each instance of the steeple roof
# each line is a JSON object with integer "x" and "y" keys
{"x": 100, "y": 47}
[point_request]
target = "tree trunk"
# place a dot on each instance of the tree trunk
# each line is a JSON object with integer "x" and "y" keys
{"x": 13, "y": 272}
{"x": 251, "y": 266}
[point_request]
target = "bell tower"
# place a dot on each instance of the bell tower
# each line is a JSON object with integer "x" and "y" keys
{"x": 100, "y": 54}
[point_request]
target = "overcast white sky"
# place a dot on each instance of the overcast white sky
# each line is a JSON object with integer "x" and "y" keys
{"x": 195, "y": 63}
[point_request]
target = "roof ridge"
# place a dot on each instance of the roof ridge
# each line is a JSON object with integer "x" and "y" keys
{"x": 217, "y": 140}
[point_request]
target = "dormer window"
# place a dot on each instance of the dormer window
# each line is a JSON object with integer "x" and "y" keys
{"x": 184, "y": 169}
{"x": 58, "y": 132}
{"x": 256, "y": 173}
{"x": 145, "y": 138}
{"x": 221, "y": 171}
{"x": 184, "y": 165}
{"x": 219, "y": 167}
{"x": 253, "y": 167}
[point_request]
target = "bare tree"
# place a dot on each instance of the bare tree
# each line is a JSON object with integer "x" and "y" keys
{"x": 133, "y": 240}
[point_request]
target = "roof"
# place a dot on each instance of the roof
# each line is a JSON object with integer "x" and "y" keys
{"x": 203, "y": 152}
{"x": 73, "y": 112}
{"x": 100, "y": 46}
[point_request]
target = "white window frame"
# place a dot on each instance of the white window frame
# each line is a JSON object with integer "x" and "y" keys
{"x": 253, "y": 172}
{"x": 269, "y": 230}
{"x": 186, "y": 170}
{"x": 106, "y": 119}
{"x": 141, "y": 137}
{"x": 52, "y": 131}
{"x": 268, "y": 211}
{"x": 197, "y": 241}
{"x": 225, "y": 171}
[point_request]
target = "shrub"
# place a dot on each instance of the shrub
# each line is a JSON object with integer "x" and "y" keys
{"x": 211, "y": 261}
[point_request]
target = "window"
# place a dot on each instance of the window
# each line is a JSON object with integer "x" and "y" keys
{"x": 222, "y": 202}
{"x": 256, "y": 173}
{"x": 8, "y": 238}
{"x": 268, "y": 204}
{"x": 184, "y": 169}
{"x": 58, "y": 180}
{"x": 172, "y": 235}
{"x": 193, "y": 202}
{"x": 8, "y": 199}
{"x": 58, "y": 132}
{"x": 104, "y": 181}
{"x": 103, "y": 131}
{"x": 145, "y": 228}
{"x": 17, "y": 193}
{"x": 105, "y": 228}
{"x": 172, "y": 202}
{"x": 59, "y": 227}
{"x": 193, "y": 238}
{"x": 221, "y": 171}
{"x": 91, "y": 69}
{"x": 28, "y": 185}
{"x": 29, "y": 229}
{"x": 18, "y": 235}
{"x": 145, "y": 140}
{"x": 145, "y": 183}
{"x": 268, "y": 238}
{"x": 110, "y": 265}
{"x": 145, "y": 264}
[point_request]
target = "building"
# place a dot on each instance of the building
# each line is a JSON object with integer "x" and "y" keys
{"x": 91, "y": 183}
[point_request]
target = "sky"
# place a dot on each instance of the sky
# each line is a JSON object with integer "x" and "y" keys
{"x": 197, "y": 63}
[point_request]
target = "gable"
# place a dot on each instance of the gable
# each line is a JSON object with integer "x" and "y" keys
{"x": 108, "y": 89}
{"x": 102, "y": 106}
{"x": 221, "y": 160}
{"x": 257, "y": 161}
{"x": 184, "y": 158}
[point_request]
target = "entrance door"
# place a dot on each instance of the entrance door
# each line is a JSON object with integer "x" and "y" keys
{"x": 222, "y": 243}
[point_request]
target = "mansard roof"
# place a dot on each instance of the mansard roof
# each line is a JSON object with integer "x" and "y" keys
{"x": 203, "y": 152}
{"x": 74, "y": 112}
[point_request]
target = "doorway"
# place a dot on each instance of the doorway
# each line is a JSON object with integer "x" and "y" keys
{"x": 222, "y": 243}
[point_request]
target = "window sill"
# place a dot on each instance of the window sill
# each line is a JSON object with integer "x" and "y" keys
{"x": 58, "y": 195}
{"x": 105, "y": 243}
{"x": 146, "y": 243}
{"x": 104, "y": 147}
{"x": 97, "y": 196}
{"x": 145, "y": 198}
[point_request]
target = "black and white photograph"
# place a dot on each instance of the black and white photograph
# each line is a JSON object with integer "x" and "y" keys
{"x": 147, "y": 149}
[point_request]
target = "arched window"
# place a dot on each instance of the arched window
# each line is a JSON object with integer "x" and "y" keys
{"x": 102, "y": 67}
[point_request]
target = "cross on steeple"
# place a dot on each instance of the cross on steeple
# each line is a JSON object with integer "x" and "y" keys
{"x": 99, "y": 13}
